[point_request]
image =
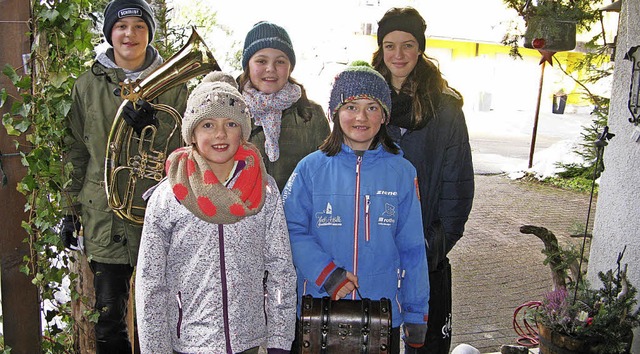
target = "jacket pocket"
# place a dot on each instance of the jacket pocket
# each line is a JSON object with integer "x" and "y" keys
{"x": 436, "y": 244}
{"x": 367, "y": 218}
{"x": 179, "y": 323}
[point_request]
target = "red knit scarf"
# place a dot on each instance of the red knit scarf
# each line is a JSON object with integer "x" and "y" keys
{"x": 200, "y": 191}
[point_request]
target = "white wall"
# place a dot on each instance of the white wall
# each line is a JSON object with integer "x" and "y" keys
{"x": 617, "y": 212}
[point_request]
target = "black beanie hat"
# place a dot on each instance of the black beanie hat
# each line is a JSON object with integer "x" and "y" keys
{"x": 405, "y": 19}
{"x": 118, "y": 9}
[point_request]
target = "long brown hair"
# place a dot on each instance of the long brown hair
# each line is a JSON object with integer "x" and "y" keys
{"x": 424, "y": 84}
{"x": 303, "y": 105}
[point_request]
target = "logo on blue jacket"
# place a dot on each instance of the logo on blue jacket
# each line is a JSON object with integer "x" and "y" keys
{"x": 326, "y": 217}
{"x": 388, "y": 216}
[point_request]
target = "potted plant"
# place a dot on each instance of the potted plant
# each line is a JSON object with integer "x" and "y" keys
{"x": 551, "y": 25}
{"x": 576, "y": 318}
{"x": 579, "y": 319}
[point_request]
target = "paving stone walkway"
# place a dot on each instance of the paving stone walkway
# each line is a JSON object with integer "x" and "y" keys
{"x": 495, "y": 267}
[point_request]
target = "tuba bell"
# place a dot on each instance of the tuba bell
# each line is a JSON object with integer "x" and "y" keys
{"x": 133, "y": 162}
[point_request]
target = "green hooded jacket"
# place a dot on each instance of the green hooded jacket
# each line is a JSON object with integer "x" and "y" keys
{"x": 297, "y": 140}
{"x": 96, "y": 99}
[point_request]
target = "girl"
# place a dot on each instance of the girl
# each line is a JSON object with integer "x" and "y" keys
{"x": 286, "y": 125}
{"x": 428, "y": 123}
{"x": 353, "y": 213}
{"x": 214, "y": 241}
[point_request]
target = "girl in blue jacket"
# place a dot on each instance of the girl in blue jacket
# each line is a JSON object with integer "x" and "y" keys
{"x": 353, "y": 211}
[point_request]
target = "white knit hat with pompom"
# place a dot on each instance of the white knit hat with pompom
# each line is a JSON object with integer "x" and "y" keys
{"x": 216, "y": 96}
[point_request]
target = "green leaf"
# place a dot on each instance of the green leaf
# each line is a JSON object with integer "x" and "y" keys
{"x": 23, "y": 125}
{"x": 50, "y": 15}
{"x": 20, "y": 109}
{"x": 10, "y": 72}
{"x": 24, "y": 83}
{"x": 24, "y": 269}
{"x": 57, "y": 79}
{"x": 3, "y": 96}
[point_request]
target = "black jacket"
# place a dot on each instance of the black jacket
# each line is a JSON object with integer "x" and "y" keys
{"x": 441, "y": 154}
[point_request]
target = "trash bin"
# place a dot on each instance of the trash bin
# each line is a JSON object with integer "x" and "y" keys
{"x": 559, "y": 102}
{"x": 484, "y": 102}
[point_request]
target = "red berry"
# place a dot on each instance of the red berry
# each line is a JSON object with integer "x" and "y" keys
{"x": 537, "y": 43}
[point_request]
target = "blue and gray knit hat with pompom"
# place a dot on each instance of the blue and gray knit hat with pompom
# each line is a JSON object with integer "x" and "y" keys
{"x": 263, "y": 35}
{"x": 357, "y": 82}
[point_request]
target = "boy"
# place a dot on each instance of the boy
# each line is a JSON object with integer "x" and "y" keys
{"x": 111, "y": 243}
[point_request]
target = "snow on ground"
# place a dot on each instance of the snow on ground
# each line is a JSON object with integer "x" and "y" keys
{"x": 501, "y": 140}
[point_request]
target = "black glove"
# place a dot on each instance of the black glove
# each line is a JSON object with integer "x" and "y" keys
{"x": 414, "y": 334}
{"x": 68, "y": 231}
{"x": 140, "y": 116}
{"x": 335, "y": 281}
{"x": 277, "y": 351}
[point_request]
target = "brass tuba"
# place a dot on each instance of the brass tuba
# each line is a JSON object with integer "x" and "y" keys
{"x": 134, "y": 162}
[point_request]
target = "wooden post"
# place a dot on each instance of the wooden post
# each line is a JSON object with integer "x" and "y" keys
{"x": 535, "y": 121}
{"x": 20, "y": 299}
{"x": 84, "y": 334}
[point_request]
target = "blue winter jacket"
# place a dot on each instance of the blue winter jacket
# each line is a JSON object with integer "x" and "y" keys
{"x": 361, "y": 214}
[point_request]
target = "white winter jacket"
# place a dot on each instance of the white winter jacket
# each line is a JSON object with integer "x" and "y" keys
{"x": 189, "y": 299}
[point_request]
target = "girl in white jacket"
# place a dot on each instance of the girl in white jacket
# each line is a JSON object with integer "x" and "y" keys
{"x": 214, "y": 272}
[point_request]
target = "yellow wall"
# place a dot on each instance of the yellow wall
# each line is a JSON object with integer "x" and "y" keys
{"x": 461, "y": 50}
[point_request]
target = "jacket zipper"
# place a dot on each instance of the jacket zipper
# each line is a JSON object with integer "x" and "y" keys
{"x": 225, "y": 302}
{"x": 400, "y": 274}
{"x": 356, "y": 220}
{"x": 179, "y": 299}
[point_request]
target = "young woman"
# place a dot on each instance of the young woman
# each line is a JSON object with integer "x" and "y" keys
{"x": 428, "y": 123}
{"x": 215, "y": 240}
{"x": 353, "y": 211}
{"x": 286, "y": 125}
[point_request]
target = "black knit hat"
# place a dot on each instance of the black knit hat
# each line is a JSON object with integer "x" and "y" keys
{"x": 357, "y": 82}
{"x": 118, "y": 9}
{"x": 263, "y": 35}
{"x": 406, "y": 19}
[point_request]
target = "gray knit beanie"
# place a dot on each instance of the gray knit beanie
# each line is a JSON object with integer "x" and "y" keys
{"x": 216, "y": 96}
{"x": 267, "y": 35}
{"x": 357, "y": 82}
{"x": 118, "y": 9}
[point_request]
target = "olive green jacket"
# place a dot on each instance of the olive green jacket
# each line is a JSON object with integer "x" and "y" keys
{"x": 297, "y": 140}
{"x": 107, "y": 237}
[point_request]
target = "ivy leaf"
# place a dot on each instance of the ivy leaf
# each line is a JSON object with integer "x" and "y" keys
{"x": 24, "y": 269}
{"x": 62, "y": 108}
{"x": 20, "y": 109}
{"x": 24, "y": 83}
{"x": 3, "y": 96}
{"x": 23, "y": 125}
{"x": 50, "y": 15}
{"x": 57, "y": 79}
{"x": 7, "y": 121}
{"x": 10, "y": 72}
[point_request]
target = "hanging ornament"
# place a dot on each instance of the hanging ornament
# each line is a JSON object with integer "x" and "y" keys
{"x": 549, "y": 35}
{"x": 547, "y": 56}
{"x": 538, "y": 43}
